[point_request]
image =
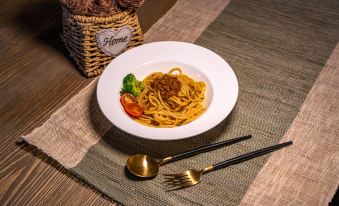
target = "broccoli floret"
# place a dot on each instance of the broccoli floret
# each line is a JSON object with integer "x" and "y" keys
{"x": 131, "y": 85}
{"x": 129, "y": 78}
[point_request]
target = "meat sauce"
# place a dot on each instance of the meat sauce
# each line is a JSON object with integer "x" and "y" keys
{"x": 167, "y": 85}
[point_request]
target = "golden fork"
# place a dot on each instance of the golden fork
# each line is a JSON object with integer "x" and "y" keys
{"x": 193, "y": 177}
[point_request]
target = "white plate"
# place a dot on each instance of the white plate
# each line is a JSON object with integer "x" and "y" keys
{"x": 196, "y": 61}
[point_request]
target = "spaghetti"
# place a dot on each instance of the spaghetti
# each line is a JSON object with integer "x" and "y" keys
{"x": 171, "y": 99}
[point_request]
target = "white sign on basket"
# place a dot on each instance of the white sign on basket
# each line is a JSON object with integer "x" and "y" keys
{"x": 113, "y": 42}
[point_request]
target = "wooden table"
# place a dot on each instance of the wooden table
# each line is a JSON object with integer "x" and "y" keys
{"x": 36, "y": 78}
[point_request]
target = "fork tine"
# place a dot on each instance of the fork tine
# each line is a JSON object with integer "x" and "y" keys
{"x": 178, "y": 186}
{"x": 173, "y": 180}
{"x": 182, "y": 180}
{"x": 175, "y": 175}
{"x": 171, "y": 188}
{"x": 177, "y": 181}
{"x": 177, "y": 178}
{"x": 188, "y": 184}
{"x": 173, "y": 183}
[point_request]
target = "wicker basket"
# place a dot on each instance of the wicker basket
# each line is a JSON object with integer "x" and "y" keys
{"x": 79, "y": 37}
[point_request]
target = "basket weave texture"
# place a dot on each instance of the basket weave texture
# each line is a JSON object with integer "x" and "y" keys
{"x": 79, "y": 37}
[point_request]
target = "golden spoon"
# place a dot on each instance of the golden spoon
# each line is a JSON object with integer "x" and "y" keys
{"x": 143, "y": 165}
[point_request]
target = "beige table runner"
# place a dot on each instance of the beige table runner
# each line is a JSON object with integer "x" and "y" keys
{"x": 82, "y": 140}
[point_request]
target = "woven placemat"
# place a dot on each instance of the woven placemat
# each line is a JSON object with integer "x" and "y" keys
{"x": 276, "y": 49}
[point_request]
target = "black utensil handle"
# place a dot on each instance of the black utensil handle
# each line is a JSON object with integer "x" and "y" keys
{"x": 250, "y": 155}
{"x": 209, "y": 147}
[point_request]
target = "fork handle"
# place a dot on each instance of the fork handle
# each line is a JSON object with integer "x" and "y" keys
{"x": 249, "y": 156}
{"x": 206, "y": 148}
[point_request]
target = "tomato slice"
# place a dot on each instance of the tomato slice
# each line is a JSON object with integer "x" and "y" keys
{"x": 133, "y": 110}
{"x": 130, "y": 105}
{"x": 127, "y": 98}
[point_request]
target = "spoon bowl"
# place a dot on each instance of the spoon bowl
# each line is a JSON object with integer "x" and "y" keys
{"x": 143, "y": 165}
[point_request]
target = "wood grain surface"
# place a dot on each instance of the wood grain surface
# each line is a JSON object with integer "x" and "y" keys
{"x": 36, "y": 78}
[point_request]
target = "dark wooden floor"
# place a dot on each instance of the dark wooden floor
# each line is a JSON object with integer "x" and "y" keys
{"x": 36, "y": 78}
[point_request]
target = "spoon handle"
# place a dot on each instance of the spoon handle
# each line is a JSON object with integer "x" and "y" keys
{"x": 249, "y": 155}
{"x": 206, "y": 148}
